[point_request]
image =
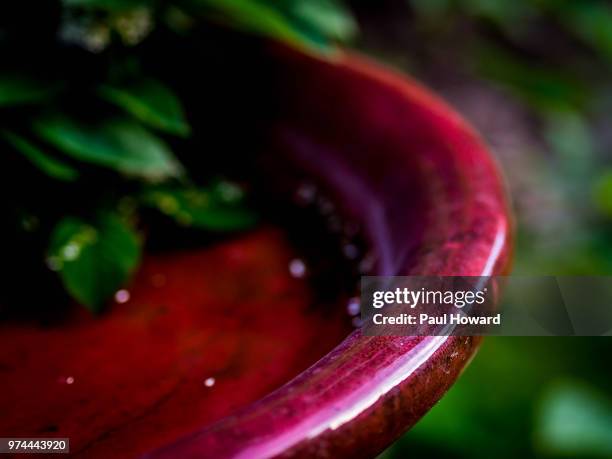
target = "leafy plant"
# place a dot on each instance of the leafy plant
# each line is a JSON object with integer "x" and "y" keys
{"x": 150, "y": 102}
{"x": 86, "y": 126}
{"x": 54, "y": 168}
{"x": 217, "y": 208}
{"x": 18, "y": 90}
{"x": 93, "y": 258}
{"x": 574, "y": 420}
{"x": 308, "y": 24}
{"x": 119, "y": 144}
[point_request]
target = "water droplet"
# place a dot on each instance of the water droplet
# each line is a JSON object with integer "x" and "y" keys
{"x": 133, "y": 26}
{"x": 209, "y": 382}
{"x": 350, "y": 251}
{"x": 353, "y": 307}
{"x": 229, "y": 192}
{"x": 122, "y": 296}
{"x": 305, "y": 194}
{"x": 69, "y": 380}
{"x": 297, "y": 268}
{"x": 367, "y": 264}
{"x": 71, "y": 251}
{"x": 54, "y": 263}
{"x": 326, "y": 207}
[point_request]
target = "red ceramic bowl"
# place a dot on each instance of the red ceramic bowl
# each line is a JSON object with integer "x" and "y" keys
{"x": 430, "y": 201}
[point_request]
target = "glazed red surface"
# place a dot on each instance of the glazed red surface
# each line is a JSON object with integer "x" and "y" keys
{"x": 232, "y": 313}
{"x": 430, "y": 201}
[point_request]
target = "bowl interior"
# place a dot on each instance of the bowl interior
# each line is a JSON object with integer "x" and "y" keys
{"x": 206, "y": 333}
{"x": 203, "y": 333}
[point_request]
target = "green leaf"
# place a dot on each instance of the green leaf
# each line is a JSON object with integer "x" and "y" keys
{"x": 569, "y": 135}
{"x": 259, "y": 18}
{"x": 546, "y": 89}
{"x": 93, "y": 261}
{"x": 575, "y": 422}
{"x": 107, "y": 5}
{"x": 47, "y": 164}
{"x": 329, "y": 17}
{"x": 602, "y": 192}
{"x": 119, "y": 144}
{"x": 310, "y": 27}
{"x": 152, "y": 103}
{"x": 19, "y": 90}
{"x": 218, "y": 208}
{"x": 590, "y": 21}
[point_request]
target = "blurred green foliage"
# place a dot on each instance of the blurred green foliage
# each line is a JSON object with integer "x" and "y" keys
{"x": 574, "y": 420}
{"x": 93, "y": 258}
{"x": 521, "y": 397}
{"x": 219, "y": 208}
{"x": 308, "y": 24}
{"x": 311, "y": 25}
{"x": 551, "y": 61}
{"x": 119, "y": 144}
{"x": 96, "y": 128}
{"x": 54, "y": 168}
{"x": 151, "y": 103}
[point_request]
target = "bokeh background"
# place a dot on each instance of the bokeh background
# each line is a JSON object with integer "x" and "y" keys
{"x": 534, "y": 77}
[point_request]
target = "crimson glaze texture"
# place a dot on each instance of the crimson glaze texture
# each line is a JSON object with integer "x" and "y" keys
{"x": 430, "y": 201}
{"x": 197, "y": 338}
